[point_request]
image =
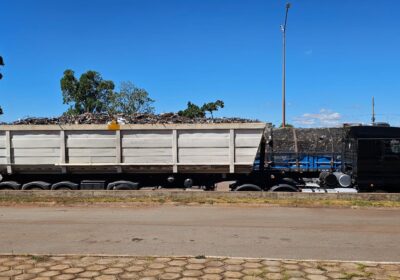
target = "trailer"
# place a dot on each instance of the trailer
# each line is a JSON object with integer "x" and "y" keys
{"x": 252, "y": 156}
{"x": 127, "y": 156}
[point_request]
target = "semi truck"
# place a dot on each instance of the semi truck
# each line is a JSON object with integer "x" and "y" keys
{"x": 248, "y": 155}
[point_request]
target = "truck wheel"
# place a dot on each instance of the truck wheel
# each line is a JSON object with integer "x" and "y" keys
{"x": 283, "y": 188}
{"x": 36, "y": 185}
{"x": 123, "y": 185}
{"x": 248, "y": 188}
{"x": 9, "y": 185}
{"x": 65, "y": 185}
{"x": 289, "y": 181}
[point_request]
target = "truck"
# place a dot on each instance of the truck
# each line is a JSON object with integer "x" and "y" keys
{"x": 251, "y": 156}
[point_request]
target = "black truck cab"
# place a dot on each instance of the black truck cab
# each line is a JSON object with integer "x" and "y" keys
{"x": 371, "y": 156}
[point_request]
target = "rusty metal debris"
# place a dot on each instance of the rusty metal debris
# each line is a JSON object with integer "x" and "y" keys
{"x": 307, "y": 140}
{"x": 88, "y": 118}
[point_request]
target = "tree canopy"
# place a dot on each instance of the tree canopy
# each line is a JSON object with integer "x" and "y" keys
{"x": 89, "y": 94}
{"x": 194, "y": 111}
{"x": 212, "y": 106}
{"x": 131, "y": 99}
{"x": 286, "y": 125}
{"x": 92, "y": 94}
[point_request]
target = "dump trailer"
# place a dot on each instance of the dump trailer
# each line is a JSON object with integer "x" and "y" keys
{"x": 254, "y": 156}
{"x": 113, "y": 156}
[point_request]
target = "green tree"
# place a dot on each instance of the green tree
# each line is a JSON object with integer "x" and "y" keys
{"x": 1, "y": 111}
{"x": 130, "y": 99}
{"x": 89, "y": 94}
{"x": 212, "y": 106}
{"x": 287, "y": 125}
{"x": 192, "y": 111}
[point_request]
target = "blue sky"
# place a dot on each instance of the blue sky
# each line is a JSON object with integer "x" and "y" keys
{"x": 339, "y": 54}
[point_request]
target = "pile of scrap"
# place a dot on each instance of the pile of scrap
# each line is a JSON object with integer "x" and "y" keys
{"x": 307, "y": 140}
{"x": 88, "y": 118}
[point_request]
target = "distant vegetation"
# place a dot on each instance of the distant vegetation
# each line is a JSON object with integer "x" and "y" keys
{"x": 286, "y": 125}
{"x": 194, "y": 111}
{"x": 92, "y": 94}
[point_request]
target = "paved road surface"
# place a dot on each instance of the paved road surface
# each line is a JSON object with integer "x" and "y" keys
{"x": 300, "y": 233}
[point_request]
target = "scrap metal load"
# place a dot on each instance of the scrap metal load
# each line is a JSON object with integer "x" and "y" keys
{"x": 307, "y": 140}
{"x": 88, "y": 118}
{"x": 304, "y": 149}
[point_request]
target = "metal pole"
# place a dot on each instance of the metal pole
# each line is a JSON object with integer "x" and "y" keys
{"x": 283, "y": 29}
{"x": 373, "y": 110}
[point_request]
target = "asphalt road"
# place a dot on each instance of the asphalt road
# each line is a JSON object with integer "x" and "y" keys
{"x": 298, "y": 233}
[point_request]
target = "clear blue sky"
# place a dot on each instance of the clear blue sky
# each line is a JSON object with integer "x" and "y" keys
{"x": 339, "y": 54}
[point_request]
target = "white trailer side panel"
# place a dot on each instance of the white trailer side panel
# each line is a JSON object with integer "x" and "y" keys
{"x": 2, "y": 148}
{"x": 147, "y": 146}
{"x": 203, "y": 147}
{"x": 90, "y": 147}
{"x": 247, "y": 142}
{"x": 200, "y": 148}
{"x": 35, "y": 147}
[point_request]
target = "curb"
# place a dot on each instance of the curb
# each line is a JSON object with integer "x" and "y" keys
{"x": 190, "y": 256}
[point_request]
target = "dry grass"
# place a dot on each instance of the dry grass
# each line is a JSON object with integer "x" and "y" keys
{"x": 10, "y": 200}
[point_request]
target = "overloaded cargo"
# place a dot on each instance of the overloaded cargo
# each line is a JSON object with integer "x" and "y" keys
{"x": 198, "y": 148}
{"x": 89, "y": 118}
{"x": 96, "y": 152}
{"x": 307, "y": 140}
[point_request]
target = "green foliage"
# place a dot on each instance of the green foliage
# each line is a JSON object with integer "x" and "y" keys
{"x": 212, "y": 106}
{"x": 194, "y": 111}
{"x": 130, "y": 99}
{"x": 286, "y": 125}
{"x": 1, "y": 111}
{"x": 90, "y": 94}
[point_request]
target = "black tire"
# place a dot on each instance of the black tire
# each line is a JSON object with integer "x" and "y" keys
{"x": 36, "y": 185}
{"x": 9, "y": 185}
{"x": 123, "y": 185}
{"x": 289, "y": 181}
{"x": 64, "y": 185}
{"x": 248, "y": 188}
{"x": 284, "y": 188}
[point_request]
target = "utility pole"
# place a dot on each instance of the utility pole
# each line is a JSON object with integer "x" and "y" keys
{"x": 373, "y": 110}
{"x": 1, "y": 76}
{"x": 283, "y": 29}
{"x": 1, "y": 64}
